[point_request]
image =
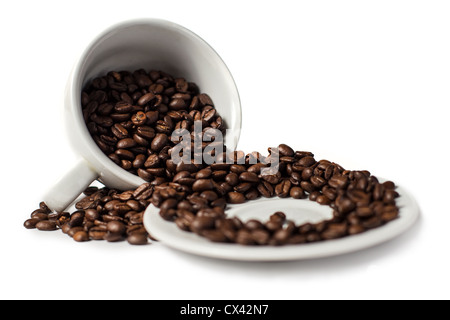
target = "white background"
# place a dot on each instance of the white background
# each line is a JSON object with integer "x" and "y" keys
{"x": 363, "y": 83}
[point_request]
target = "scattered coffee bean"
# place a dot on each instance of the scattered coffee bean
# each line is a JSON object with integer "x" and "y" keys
{"x": 46, "y": 225}
{"x": 137, "y": 239}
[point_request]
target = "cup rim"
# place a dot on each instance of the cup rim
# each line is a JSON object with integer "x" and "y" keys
{"x": 75, "y": 97}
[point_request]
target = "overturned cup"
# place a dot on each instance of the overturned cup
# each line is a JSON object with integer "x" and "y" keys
{"x": 149, "y": 44}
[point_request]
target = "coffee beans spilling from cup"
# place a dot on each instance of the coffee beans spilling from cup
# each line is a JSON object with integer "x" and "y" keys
{"x": 132, "y": 117}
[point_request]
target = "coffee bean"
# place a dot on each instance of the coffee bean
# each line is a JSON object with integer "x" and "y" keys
{"x": 201, "y": 223}
{"x": 283, "y": 188}
{"x": 204, "y": 99}
{"x": 244, "y": 237}
{"x": 236, "y": 197}
{"x": 253, "y": 225}
{"x": 137, "y": 239}
{"x": 31, "y": 223}
{"x": 202, "y": 185}
{"x": 203, "y": 174}
{"x": 249, "y": 177}
{"x": 307, "y": 161}
{"x": 177, "y": 104}
{"x": 46, "y": 225}
{"x": 281, "y": 236}
{"x": 338, "y": 181}
{"x": 116, "y": 227}
{"x": 318, "y": 181}
{"x": 126, "y": 143}
{"x": 266, "y": 189}
{"x": 334, "y": 230}
{"x": 81, "y": 236}
{"x": 71, "y": 231}
{"x": 97, "y": 233}
{"x": 214, "y": 235}
{"x": 146, "y": 98}
{"x": 355, "y": 229}
{"x": 297, "y": 193}
{"x": 323, "y": 200}
{"x": 260, "y": 236}
{"x": 285, "y": 150}
{"x": 159, "y": 141}
{"x": 371, "y": 223}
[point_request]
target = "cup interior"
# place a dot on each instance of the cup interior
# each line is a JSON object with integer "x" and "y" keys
{"x": 153, "y": 44}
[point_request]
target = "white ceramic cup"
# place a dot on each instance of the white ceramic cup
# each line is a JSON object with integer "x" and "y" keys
{"x": 132, "y": 45}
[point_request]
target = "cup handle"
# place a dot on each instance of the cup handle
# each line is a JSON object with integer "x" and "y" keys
{"x": 70, "y": 186}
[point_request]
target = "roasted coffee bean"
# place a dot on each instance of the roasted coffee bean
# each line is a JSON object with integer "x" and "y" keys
{"x": 159, "y": 142}
{"x": 260, "y": 236}
{"x": 338, "y": 181}
{"x": 371, "y": 223}
{"x": 76, "y": 219}
{"x": 177, "y": 104}
{"x": 318, "y": 181}
{"x": 201, "y": 223}
{"x": 116, "y": 227}
{"x": 266, "y": 189}
{"x": 81, "y": 236}
{"x": 214, "y": 235}
{"x": 306, "y": 161}
{"x": 137, "y": 239}
{"x": 72, "y": 231}
{"x": 243, "y": 187}
{"x": 281, "y": 236}
{"x": 334, "y": 230}
{"x": 203, "y": 174}
{"x": 323, "y": 200}
{"x": 146, "y": 98}
{"x": 273, "y": 225}
{"x": 355, "y": 229}
{"x": 344, "y": 204}
{"x": 297, "y": 193}
{"x": 126, "y": 143}
{"x": 278, "y": 217}
{"x": 253, "y": 225}
{"x": 307, "y": 186}
{"x": 244, "y": 237}
{"x": 389, "y": 213}
{"x": 283, "y": 188}
{"x": 249, "y": 177}
{"x": 364, "y": 212}
{"x": 202, "y": 185}
{"x": 46, "y": 225}
{"x": 113, "y": 237}
{"x": 209, "y": 195}
{"x": 232, "y": 179}
{"x": 285, "y": 150}
{"x": 39, "y": 214}
{"x": 236, "y": 197}
{"x": 97, "y": 233}
{"x": 204, "y": 100}
{"x": 31, "y": 223}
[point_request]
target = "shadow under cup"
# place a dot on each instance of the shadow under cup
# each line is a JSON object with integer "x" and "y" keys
{"x": 148, "y": 44}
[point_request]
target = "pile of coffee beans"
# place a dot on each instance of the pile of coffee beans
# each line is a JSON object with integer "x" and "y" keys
{"x": 132, "y": 115}
{"x": 196, "y": 200}
{"x": 101, "y": 214}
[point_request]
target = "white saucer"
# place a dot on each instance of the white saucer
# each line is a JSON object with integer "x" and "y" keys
{"x": 298, "y": 210}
